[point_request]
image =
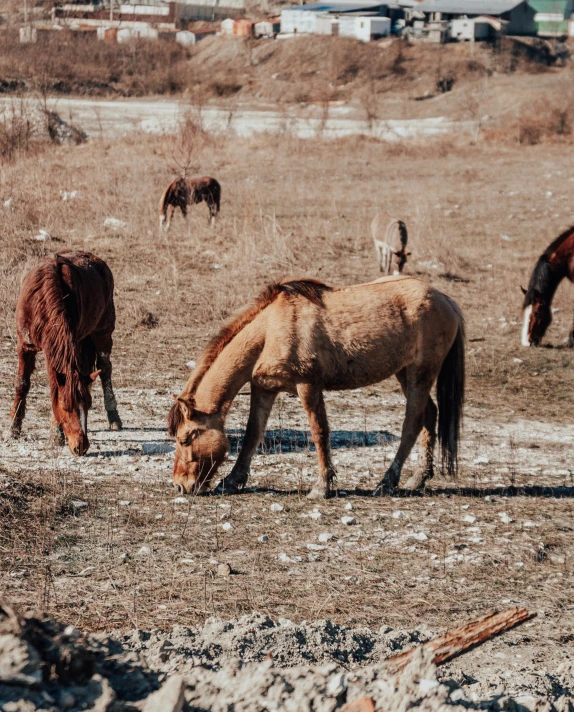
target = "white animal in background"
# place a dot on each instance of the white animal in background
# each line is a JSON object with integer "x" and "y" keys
{"x": 390, "y": 238}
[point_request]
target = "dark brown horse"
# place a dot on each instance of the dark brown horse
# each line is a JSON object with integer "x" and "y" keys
{"x": 554, "y": 264}
{"x": 66, "y": 309}
{"x": 183, "y": 192}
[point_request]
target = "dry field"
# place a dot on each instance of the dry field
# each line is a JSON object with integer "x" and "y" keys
{"x": 102, "y": 541}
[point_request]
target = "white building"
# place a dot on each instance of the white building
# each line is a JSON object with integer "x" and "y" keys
{"x": 304, "y": 18}
{"x": 363, "y": 27}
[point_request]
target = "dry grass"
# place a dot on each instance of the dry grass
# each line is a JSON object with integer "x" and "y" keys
{"x": 477, "y": 216}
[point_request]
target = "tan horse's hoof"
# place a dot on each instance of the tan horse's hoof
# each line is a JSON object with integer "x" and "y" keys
{"x": 417, "y": 481}
{"x": 318, "y": 494}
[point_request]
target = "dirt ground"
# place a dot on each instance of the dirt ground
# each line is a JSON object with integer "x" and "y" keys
{"x": 104, "y": 543}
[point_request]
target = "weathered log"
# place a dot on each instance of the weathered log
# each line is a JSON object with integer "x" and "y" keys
{"x": 464, "y": 638}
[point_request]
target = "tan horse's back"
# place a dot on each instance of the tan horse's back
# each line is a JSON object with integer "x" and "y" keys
{"x": 362, "y": 334}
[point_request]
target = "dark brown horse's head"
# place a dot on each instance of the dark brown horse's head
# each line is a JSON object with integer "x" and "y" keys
{"x": 537, "y": 317}
{"x": 201, "y": 446}
{"x": 71, "y": 401}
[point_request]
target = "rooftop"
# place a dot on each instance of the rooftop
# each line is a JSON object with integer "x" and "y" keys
{"x": 468, "y": 7}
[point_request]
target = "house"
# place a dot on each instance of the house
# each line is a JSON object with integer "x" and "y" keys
{"x": 364, "y": 27}
{"x": 303, "y": 19}
{"x": 552, "y": 17}
{"x": 516, "y": 16}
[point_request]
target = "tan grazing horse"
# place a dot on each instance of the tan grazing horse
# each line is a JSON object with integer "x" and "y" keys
{"x": 390, "y": 238}
{"x": 183, "y": 192}
{"x": 304, "y": 337}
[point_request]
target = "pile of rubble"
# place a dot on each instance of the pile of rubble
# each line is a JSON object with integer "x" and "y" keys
{"x": 48, "y": 666}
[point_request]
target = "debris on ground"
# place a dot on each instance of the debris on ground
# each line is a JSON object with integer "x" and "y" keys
{"x": 237, "y": 666}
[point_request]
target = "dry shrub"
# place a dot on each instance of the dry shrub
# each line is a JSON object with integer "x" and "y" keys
{"x": 544, "y": 122}
{"x": 17, "y": 128}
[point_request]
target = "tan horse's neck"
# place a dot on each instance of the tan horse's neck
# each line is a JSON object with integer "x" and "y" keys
{"x": 230, "y": 371}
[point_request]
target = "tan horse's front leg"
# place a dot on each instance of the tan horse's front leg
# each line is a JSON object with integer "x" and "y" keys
{"x": 259, "y": 410}
{"x": 314, "y": 404}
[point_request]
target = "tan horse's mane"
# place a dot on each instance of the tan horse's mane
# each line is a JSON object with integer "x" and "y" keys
{"x": 311, "y": 289}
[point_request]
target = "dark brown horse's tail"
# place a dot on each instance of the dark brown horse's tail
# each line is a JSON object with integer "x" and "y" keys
{"x": 52, "y": 329}
{"x": 450, "y": 399}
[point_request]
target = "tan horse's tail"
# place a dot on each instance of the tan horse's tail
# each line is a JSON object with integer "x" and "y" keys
{"x": 162, "y": 207}
{"x": 450, "y": 399}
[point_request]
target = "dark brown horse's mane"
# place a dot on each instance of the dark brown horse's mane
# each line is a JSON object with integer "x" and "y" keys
{"x": 52, "y": 325}
{"x": 543, "y": 280}
{"x": 311, "y": 289}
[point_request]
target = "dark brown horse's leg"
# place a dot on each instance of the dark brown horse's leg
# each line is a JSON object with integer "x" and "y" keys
{"x": 259, "y": 410}
{"x": 571, "y": 339}
{"x": 104, "y": 363}
{"x": 418, "y": 392}
{"x": 312, "y": 400}
{"x": 26, "y": 366}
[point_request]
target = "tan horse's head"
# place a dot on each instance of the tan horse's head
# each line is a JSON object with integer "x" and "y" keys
{"x": 201, "y": 446}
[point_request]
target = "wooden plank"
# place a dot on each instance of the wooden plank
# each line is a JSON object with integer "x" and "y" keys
{"x": 462, "y": 639}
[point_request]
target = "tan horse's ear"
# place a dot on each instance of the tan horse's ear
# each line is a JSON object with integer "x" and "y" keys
{"x": 523, "y": 290}
{"x": 95, "y": 374}
{"x": 186, "y": 408}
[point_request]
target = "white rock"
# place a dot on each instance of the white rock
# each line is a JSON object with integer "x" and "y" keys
{"x": 315, "y": 515}
{"x": 8, "y": 203}
{"x": 124, "y": 502}
{"x": 399, "y": 515}
{"x": 227, "y": 526}
{"x": 426, "y": 685}
{"x": 337, "y": 685}
{"x": 315, "y": 547}
{"x": 276, "y": 507}
{"x": 263, "y": 538}
{"x": 42, "y": 236}
{"x": 325, "y": 537}
{"x": 481, "y": 460}
{"x": 348, "y": 520}
{"x": 349, "y": 506}
{"x": 505, "y": 518}
{"x": 78, "y": 504}
{"x": 419, "y": 536}
{"x": 179, "y": 500}
{"x": 68, "y": 195}
{"x": 144, "y": 551}
{"x": 114, "y": 223}
{"x": 190, "y": 364}
{"x": 529, "y": 524}
{"x": 469, "y": 518}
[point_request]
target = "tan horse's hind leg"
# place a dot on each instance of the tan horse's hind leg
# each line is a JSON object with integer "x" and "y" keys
{"x": 428, "y": 441}
{"x": 418, "y": 386}
{"x": 259, "y": 410}
{"x": 312, "y": 400}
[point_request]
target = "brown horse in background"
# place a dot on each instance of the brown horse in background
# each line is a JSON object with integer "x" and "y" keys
{"x": 554, "y": 264}
{"x": 66, "y": 309}
{"x": 304, "y": 337}
{"x": 183, "y": 192}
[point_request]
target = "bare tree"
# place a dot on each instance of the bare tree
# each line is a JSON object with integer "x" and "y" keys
{"x": 185, "y": 147}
